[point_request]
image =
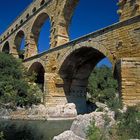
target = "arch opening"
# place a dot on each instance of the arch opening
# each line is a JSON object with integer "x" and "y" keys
{"x": 41, "y": 32}
{"x": 6, "y": 48}
{"x": 20, "y": 44}
{"x": 39, "y": 71}
{"x": 75, "y": 72}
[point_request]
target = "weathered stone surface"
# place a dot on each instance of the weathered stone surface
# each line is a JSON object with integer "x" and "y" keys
{"x": 81, "y": 123}
{"x": 66, "y": 111}
{"x": 37, "y": 110}
{"x": 70, "y": 110}
{"x": 67, "y": 135}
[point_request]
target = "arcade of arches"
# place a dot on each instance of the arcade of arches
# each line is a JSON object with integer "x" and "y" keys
{"x": 63, "y": 70}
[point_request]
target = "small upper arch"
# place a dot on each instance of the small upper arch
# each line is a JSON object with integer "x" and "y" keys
{"x": 38, "y": 25}
{"x": 42, "y": 2}
{"x": 39, "y": 21}
{"x": 19, "y": 36}
{"x": 18, "y": 41}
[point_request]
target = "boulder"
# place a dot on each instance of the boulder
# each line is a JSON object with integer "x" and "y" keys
{"x": 37, "y": 110}
{"x": 70, "y": 110}
{"x": 64, "y": 111}
{"x": 81, "y": 123}
{"x": 67, "y": 135}
{"x": 55, "y": 112}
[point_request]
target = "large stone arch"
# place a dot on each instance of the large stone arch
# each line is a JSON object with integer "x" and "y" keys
{"x": 76, "y": 62}
{"x": 88, "y": 44}
{"x": 75, "y": 71}
{"x": 6, "y": 47}
{"x": 17, "y": 41}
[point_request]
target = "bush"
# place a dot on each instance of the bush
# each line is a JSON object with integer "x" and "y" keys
{"x": 129, "y": 123}
{"x": 1, "y": 136}
{"x": 94, "y": 133}
{"x": 127, "y": 127}
{"x": 15, "y": 84}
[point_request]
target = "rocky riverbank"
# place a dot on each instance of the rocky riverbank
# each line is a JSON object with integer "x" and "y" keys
{"x": 40, "y": 112}
{"x": 81, "y": 123}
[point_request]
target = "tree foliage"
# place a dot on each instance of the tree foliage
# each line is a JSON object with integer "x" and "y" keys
{"x": 16, "y": 86}
{"x": 102, "y": 86}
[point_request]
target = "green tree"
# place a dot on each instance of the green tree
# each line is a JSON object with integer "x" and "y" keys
{"x": 16, "y": 86}
{"x": 102, "y": 86}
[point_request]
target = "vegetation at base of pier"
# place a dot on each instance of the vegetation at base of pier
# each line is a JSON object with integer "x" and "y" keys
{"x": 129, "y": 123}
{"x": 103, "y": 88}
{"x": 127, "y": 126}
{"x": 17, "y": 87}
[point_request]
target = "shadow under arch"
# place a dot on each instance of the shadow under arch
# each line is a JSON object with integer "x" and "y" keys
{"x": 6, "y": 48}
{"x": 18, "y": 42}
{"x": 75, "y": 71}
{"x": 37, "y": 26}
{"x": 39, "y": 70}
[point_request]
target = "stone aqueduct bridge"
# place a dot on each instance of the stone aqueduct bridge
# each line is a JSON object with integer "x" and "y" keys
{"x": 64, "y": 69}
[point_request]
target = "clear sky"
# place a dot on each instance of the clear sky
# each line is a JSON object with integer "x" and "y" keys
{"x": 89, "y": 16}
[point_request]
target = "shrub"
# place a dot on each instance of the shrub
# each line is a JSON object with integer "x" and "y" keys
{"x": 129, "y": 123}
{"x": 16, "y": 86}
{"x": 1, "y": 136}
{"x": 94, "y": 133}
{"x": 127, "y": 127}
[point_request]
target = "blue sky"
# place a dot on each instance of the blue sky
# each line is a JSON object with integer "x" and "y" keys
{"x": 89, "y": 16}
